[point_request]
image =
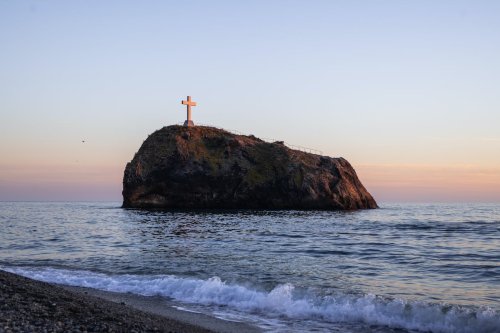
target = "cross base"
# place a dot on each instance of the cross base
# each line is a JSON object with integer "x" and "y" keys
{"x": 188, "y": 123}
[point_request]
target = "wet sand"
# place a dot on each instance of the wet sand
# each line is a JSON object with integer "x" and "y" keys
{"x": 27, "y": 305}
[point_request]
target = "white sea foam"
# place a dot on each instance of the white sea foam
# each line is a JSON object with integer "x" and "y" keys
{"x": 282, "y": 301}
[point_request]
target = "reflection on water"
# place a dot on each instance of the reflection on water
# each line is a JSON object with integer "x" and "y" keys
{"x": 435, "y": 252}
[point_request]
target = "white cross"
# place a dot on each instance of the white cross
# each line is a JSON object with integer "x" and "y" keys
{"x": 189, "y": 103}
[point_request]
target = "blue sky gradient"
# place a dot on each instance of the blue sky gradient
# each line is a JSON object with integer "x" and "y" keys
{"x": 408, "y": 92}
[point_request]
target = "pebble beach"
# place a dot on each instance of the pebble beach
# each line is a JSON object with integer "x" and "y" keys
{"x": 27, "y": 305}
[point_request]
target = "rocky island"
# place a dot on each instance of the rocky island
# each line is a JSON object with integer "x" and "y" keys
{"x": 205, "y": 167}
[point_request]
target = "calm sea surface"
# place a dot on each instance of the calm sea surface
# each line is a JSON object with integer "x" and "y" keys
{"x": 401, "y": 268}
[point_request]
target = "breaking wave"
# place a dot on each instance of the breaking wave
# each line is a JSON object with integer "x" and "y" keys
{"x": 283, "y": 301}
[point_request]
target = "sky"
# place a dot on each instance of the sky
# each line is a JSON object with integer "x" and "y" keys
{"x": 407, "y": 91}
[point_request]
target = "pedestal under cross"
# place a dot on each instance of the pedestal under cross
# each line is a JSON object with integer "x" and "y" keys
{"x": 189, "y": 103}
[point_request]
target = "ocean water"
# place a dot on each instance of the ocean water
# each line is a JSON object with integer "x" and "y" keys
{"x": 400, "y": 268}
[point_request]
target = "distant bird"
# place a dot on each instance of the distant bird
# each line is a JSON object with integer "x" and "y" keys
{"x": 83, "y": 141}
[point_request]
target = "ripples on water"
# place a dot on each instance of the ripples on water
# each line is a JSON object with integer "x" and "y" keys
{"x": 422, "y": 254}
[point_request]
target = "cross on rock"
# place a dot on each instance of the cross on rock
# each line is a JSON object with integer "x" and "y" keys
{"x": 189, "y": 103}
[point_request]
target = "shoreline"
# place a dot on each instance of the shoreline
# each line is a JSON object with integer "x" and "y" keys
{"x": 35, "y": 306}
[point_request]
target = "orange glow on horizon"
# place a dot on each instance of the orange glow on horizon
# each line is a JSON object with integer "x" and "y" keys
{"x": 387, "y": 182}
{"x": 60, "y": 183}
{"x": 415, "y": 182}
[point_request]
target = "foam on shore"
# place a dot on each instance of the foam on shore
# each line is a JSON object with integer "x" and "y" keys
{"x": 27, "y": 305}
{"x": 283, "y": 301}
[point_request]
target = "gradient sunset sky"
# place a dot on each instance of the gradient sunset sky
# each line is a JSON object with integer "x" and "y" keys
{"x": 407, "y": 91}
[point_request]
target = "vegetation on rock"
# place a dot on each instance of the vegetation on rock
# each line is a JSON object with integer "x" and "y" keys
{"x": 206, "y": 167}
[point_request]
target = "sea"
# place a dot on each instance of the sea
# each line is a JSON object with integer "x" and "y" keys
{"x": 400, "y": 268}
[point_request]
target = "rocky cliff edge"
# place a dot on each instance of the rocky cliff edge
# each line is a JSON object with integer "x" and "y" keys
{"x": 205, "y": 167}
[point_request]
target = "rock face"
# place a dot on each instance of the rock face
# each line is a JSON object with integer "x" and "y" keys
{"x": 206, "y": 167}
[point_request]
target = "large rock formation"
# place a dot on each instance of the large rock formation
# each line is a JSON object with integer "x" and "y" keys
{"x": 206, "y": 167}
